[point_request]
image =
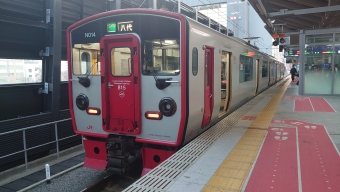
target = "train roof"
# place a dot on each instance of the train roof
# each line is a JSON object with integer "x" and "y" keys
{"x": 239, "y": 40}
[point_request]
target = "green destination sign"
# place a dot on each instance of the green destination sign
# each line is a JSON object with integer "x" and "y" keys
{"x": 111, "y": 27}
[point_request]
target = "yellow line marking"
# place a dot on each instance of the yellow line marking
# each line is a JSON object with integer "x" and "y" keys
{"x": 233, "y": 171}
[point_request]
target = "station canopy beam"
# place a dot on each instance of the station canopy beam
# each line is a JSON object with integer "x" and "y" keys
{"x": 286, "y": 12}
{"x": 264, "y": 13}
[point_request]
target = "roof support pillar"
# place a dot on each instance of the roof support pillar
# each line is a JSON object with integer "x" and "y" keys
{"x": 196, "y": 14}
{"x": 179, "y": 6}
{"x": 81, "y": 9}
{"x": 52, "y": 60}
{"x": 56, "y": 59}
{"x": 115, "y": 4}
{"x": 302, "y": 43}
{"x": 152, "y": 4}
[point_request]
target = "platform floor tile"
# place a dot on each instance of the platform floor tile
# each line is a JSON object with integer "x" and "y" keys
{"x": 232, "y": 176}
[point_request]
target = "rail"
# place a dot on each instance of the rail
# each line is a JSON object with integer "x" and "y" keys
{"x": 101, "y": 184}
{"x": 25, "y": 150}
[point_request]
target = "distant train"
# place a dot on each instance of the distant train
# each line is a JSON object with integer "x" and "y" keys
{"x": 145, "y": 81}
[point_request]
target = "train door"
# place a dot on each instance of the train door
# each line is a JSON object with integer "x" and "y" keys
{"x": 120, "y": 84}
{"x": 257, "y": 75}
{"x": 277, "y": 72}
{"x": 269, "y": 73}
{"x": 274, "y": 71}
{"x": 208, "y": 84}
{"x": 225, "y": 82}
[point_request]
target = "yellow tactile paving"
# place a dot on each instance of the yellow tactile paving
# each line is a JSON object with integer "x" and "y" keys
{"x": 225, "y": 172}
{"x": 234, "y": 170}
{"x": 236, "y": 165}
{"x": 217, "y": 189}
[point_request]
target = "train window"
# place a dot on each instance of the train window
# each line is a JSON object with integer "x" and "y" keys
{"x": 264, "y": 68}
{"x": 85, "y": 63}
{"x": 246, "y": 68}
{"x": 161, "y": 57}
{"x": 86, "y": 59}
{"x": 121, "y": 61}
{"x": 194, "y": 61}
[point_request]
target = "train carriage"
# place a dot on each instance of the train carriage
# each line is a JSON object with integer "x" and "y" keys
{"x": 145, "y": 81}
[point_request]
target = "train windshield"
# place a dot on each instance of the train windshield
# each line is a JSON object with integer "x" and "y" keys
{"x": 86, "y": 59}
{"x": 161, "y": 57}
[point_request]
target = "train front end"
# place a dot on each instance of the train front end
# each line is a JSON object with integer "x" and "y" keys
{"x": 127, "y": 78}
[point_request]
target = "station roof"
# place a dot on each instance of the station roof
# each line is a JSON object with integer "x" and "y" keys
{"x": 24, "y": 25}
{"x": 297, "y": 15}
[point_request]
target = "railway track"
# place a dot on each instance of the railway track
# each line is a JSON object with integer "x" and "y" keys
{"x": 116, "y": 183}
{"x": 111, "y": 183}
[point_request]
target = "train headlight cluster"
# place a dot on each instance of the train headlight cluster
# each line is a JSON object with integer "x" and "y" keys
{"x": 93, "y": 111}
{"x": 167, "y": 106}
{"x": 82, "y": 102}
{"x": 153, "y": 115}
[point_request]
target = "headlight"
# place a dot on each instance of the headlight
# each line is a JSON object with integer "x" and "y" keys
{"x": 167, "y": 106}
{"x": 82, "y": 102}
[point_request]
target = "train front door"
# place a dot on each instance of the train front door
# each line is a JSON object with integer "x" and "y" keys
{"x": 208, "y": 85}
{"x": 121, "y": 84}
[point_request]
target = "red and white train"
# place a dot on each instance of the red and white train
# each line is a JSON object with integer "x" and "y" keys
{"x": 145, "y": 81}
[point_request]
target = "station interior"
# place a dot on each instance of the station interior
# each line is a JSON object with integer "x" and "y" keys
{"x": 285, "y": 138}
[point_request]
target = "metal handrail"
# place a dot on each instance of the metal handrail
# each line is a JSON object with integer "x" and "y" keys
{"x": 23, "y": 130}
{"x": 31, "y": 127}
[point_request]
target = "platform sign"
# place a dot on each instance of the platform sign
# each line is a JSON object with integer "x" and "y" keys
{"x": 292, "y": 53}
{"x": 111, "y": 27}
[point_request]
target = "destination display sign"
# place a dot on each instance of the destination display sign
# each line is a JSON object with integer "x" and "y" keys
{"x": 112, "y": 27}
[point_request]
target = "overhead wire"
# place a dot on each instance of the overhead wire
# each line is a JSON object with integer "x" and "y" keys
{"x": 141, "y": 4}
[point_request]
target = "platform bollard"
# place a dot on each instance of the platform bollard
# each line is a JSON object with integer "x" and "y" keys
{"x": 48, "y": 175}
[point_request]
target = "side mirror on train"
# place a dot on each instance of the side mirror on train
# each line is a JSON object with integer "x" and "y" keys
{"x": 84, "y": 81}
{"x": 162, "y": 84}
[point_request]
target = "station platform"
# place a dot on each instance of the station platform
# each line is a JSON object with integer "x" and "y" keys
{"x": 278, "y": 141}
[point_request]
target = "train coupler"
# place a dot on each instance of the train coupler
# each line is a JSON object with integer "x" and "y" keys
{"x": 119, "y": 165}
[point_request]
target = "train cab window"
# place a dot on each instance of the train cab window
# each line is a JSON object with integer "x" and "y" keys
{"x": 264, "y": 68}
{"x": 161, "y": 57}
{"x": 85, "y": 62}
{"x": 86, "y": 59}
{"x": 121, "y": 61}
{"x": 194, "y": 61}
{"x": 246, "y": 68}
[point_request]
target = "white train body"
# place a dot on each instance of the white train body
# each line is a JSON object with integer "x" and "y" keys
{"x": 152, "y": 80}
